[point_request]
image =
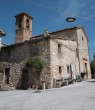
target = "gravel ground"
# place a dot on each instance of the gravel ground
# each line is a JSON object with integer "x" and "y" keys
{"x": 78, "y": 96}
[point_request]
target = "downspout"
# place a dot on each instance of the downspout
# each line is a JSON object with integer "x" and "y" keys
{"x": 78, "y": 51}
{"x": 89, "y": 60}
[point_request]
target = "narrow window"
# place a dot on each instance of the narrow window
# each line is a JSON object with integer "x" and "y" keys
{"x": 59, "y": 48}
{"x": 60, "y": 69}
{"x": 67, "y": 69}
{"x": 82, "y": 40}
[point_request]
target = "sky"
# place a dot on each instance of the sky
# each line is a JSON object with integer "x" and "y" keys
{"x": 50, "y": 15}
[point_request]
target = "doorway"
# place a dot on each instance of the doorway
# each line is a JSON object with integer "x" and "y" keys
{"x": 24, "y": 79}
{"x": 7, "y": 70}
{"x": 86, "y": 71}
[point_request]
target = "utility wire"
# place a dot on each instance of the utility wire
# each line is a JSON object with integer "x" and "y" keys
{"x": 40, "y": 5}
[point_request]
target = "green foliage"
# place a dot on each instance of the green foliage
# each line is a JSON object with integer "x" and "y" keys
{"x": 92, "y": 66}
{"x": 35, "y": 62}
{"x": 94, "y": 57}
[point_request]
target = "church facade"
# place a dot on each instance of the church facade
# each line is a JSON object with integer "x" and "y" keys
{"x": 64, "y": 53}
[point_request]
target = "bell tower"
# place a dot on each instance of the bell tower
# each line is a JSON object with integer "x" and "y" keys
{"x": 23, "y": 27}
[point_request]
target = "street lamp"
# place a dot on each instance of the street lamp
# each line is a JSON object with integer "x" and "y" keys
{"x": 70, "y": 19}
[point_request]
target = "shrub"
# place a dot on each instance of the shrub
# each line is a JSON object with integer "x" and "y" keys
{"x": 35, "y": 62}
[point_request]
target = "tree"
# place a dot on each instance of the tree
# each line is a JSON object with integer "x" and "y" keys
{"x": 35, "y": 62}
{"x": 92, "y": 65}
{"x": 94, "y": 56}
{"x": 35, "y": 66}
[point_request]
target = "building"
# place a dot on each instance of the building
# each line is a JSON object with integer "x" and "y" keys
{"x": 64, "y": 53}
{"x": 2, "y": 33}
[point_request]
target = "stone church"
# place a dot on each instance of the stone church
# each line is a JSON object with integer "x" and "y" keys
{"x": 64, "y": 53}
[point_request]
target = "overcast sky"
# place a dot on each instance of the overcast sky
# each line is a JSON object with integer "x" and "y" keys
{"x": 50, "y": 15}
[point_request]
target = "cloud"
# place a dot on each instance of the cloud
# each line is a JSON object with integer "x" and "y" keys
{"x": 71, "y": 8}
{"x": 77, "y": 8}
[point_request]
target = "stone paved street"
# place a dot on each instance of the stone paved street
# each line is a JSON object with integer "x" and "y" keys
{"x": 78, "y": 96}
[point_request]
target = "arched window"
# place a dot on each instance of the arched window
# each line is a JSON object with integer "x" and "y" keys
{"x": 27, "y": 23}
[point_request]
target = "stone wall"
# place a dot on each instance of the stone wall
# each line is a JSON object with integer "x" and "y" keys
{"x": 83, "y": 51}
{"x": 73, "y": 51}
{"x": 65, "y": 58}
{"x": 42, "y": 49}
{"x": 15, "y": 57}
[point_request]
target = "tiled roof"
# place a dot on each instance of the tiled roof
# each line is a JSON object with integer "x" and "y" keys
{"x": 24, "y": 13}
{"x": 66, "y": 29}
{"x": 38, "y": 37}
